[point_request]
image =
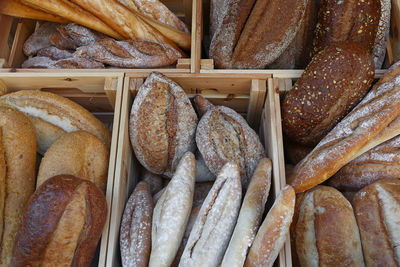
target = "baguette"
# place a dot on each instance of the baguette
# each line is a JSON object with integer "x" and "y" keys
{"x": 363, "y": 127}
{"x": 16, "y": 9}
{"x": 250, "y": 216}
{"x": 135, "y": 234}
{"x": 73, "y": 12}
{"x": 171, "y": 213}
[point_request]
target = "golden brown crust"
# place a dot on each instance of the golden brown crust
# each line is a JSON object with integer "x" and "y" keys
{"x": 326, "y": 230}
{"x": 330, "y": 86}
{"x": 43, "y": 213}
{"x": 80, "y": 154}
{"x": 19, "y": 154}
{"x": 377, "y": 209}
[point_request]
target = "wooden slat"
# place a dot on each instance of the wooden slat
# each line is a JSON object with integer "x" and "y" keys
{"x": 256, "y": 102}
{"x": 6, "y": 24}
{"x": 110, "y": 86}
{"x": 3, "y": 88}
{"x": 24, "y": 29}
{"x": 196, "y": 36}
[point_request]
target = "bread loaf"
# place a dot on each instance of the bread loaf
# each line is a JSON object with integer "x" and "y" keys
{"x": 293, "y": 251}
{"x": 129, "y": 54}
{"x": 326, "y": 230}
{"x": 62, "y": 224}
{"x": 215, "y": 222}
{"x": 162, "y": 124}
{"x": 250, "y": 216}
{"x": 347, "y": 21}
{"x": 223, "y": 135}
{"x": 17, "y": 175}
{"x": 135, "y": 234}
{"x": 39, "y": 39}
{"x": 65, "y": 63}
{"x": 381, "y": 162}
{"x": 80, "y": 154}
{"x": 172, "y": 212}
{"x": 273, "y": 232}
{"x": 382, "y": 34}
{"x": 377, "y": 210}
{"x": 330, "y": 87}
{"x": 295, "y": 152}
{"x": 54, "y": 53}
{"x": 154, "y": 181}
{"x": 64, "y": 115}
{"x": 370, "y": 123}
{"x": 62, "y": 42}
{"x": 251, "y": 37}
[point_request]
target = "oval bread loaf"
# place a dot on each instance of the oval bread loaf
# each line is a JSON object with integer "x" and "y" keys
{"x": 332, "y": 84}
{"x": 162, "y": 124}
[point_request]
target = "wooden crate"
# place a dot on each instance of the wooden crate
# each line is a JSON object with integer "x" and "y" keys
{"x": 100, "y": 93}
{"x": 255, "y": 98}
{"x": 205, "y": 65}
{"x": 15, "y": 31}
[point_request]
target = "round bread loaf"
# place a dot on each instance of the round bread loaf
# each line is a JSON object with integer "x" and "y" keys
{"x": 62, "y": 224}
{"x": 332, "y": 84}
{"x": 162, "y": 124}
{"x": 80, "y": 154}
{"x": 17, "y": 175}
{"x": 377, "y": 210}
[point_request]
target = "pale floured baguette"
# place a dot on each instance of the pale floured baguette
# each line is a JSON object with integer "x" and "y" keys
{"x": 215, "y": 222}
{"x": 367, "y": 125}
{"x": 171, "y": 213}
{"x": 73, "y": 12}
{"x": 16, "y": 9}
{"x": 62, "y": 113}
{"x": 274, "y": 230}
{"x": 250, "y": 216}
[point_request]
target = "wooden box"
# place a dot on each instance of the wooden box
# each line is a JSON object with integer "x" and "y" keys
{"x": 15, "y": 31}
{"x": 254, "y": 98}
{"x": 100, "y": 93}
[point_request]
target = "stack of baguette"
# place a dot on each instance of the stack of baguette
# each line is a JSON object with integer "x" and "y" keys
{"x": 260, "y": 34}
{"x": 59, "y": 223}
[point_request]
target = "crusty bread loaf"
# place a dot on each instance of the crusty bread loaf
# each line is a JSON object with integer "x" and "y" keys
{"x": 54, "y": 53}
{"x": 16, "y": 9}
{"x": 223, "y": 135}
{"x": 40, "y": 38}
{"x": 295, "y": 152}
{"x": 381, "y": 162}
{"x": 62, "y": 42}
{"x": 326, "y": 230}
{"x": 59, "y": 111}
{"x": 347, "y": 21}
{"x": 215, "y": 15}
{"x": 129, "y": 54}
{"x": 171, "y": 213}
{"x": 377, "y": 210}
{"x": 370, "y": 123}
{"x": 135, "y": 234}
{"x": 330, "y": 86}
{"x": 382, "y": 34}
{"x": 17, "y": 175}
{"x": 154, "y": 181}
{"x": 216, "y": 219}
{"x": 80, "y": 154}
{"x": 248, "y": 41}
{"x": 273, "y": 232}
{"x": 250, "y": 216}
{"x": 293, "y": 251}
{"x": 62, "y": 224}
{"x": 73, "y": 12}
{"x": 162, "y": 124}
{"x": 40, "y": 62}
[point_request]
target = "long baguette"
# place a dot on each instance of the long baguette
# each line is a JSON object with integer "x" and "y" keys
{"x": 351, "y": 136}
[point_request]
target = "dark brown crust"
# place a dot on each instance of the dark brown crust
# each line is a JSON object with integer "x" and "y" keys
{"x": 347, "y": 21}
{"x": 42, "y": 214}
{"x": 295, "y": 152}
{"x": 332, "y": 84}
{"x": 375, "y": 236}
{"x": 62, "y": 42}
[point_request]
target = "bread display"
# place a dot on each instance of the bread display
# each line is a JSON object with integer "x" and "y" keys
{"x": 329, "y": 87}
{"x": 80, "y": 154}
{"x": 253, "y": 34}
{"x": 62, "y": 224}
{"x": 273, "y": 231}
{"x": 326, "y": 230}
{"x": 223, "y": 135}
{"x": 54, "y": 115}
{"x": 162, "y": 124}
{"x": 370, "y": 123}
{"x": 17, "y": 175}
{"x": 135, "y": 234}
{"x": 377, "y": 210}
{"x": 216, "y": 219}
{"x": 172, "y": 212}
{"x": 250, "y": 216}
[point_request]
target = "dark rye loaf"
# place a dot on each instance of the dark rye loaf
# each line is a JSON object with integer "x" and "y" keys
{"x": 162, "y": 124}
{"x": 332, "y": 84}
